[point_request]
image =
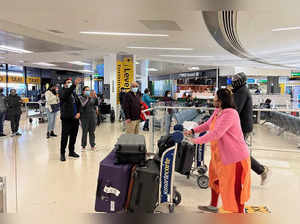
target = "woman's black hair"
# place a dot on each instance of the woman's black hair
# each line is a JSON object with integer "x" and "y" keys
{"x": 146, "y": 91}
{"x": 51, "y": 86}
{"x": 167, "y": 92}
{"x": 226, "y": 98}
{"x": 84, "y": 88}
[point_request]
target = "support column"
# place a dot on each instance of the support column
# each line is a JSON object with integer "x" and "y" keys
{"x": 110, "y": 71}
{"x": 144, "y": 74}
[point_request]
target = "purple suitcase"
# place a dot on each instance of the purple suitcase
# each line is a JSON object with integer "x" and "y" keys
{"x": 113, "y": 182}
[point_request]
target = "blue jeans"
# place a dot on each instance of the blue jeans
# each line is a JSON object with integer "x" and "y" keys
{"x": 2, "y": 119}
{"x": 51, "y": 120}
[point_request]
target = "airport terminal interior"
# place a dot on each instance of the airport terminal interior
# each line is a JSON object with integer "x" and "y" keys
{"x": 178, "y": 55}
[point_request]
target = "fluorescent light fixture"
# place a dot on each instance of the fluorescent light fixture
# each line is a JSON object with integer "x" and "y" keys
{"x": 43, "y": 64}
{"x": 137, "y": 63}
{"x": 86, "y": 71}
{"x": 125, "y": 34}
{"x": 194, "y": 68}
{"x": 152, "y": 70}
{"x": 286, "y": 28}
{"x": 78, "y": 63}
{"x": 14, "y": 49}
{"x": 163, "y": 48}
{"x": 185, "y": 56}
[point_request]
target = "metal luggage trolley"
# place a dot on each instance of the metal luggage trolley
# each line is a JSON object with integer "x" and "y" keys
{"x": 36, "y": 110}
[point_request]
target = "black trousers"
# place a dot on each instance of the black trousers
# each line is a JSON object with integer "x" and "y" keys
{"x": 69, "y": 132}
{"x": 255, "y": 165}
{"x": 14, "y": 122}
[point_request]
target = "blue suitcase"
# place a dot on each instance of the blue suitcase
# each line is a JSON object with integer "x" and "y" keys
{"x": 113, "y": 182}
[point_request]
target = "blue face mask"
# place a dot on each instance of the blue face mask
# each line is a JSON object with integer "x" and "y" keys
{"x": 87, "y": 93}
{"x": 135, "y": 89}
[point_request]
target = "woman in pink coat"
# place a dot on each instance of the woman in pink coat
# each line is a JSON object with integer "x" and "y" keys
{"x": 229, "y": 170}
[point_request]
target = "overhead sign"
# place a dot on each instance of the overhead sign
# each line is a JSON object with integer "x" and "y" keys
{"x": 125, "y": 74}
{"x": 2, "y": 78}
{"x": 16, "y": 79}
{"x": 33, "y": 80}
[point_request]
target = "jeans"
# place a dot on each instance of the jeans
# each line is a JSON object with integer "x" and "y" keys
{"x": 255, "y": 165}
{"x": 122, "y": 115}
{"x": 14, "y": 123}
{"x": 88, "y": 127}
{"x": 51, "y": 120}
{"x": 69, "y": 132}
{"x": 2, "y": 119}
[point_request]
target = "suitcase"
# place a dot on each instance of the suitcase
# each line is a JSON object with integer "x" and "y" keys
{"x": 131, "y": 149}
{"x": 164, "y": 143}
{"x": 144, "y": 195}
{"x": 112, "y": 186}
{"x": 184, "y": 158}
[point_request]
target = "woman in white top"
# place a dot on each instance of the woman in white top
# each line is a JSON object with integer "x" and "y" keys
{"x": 52, "y": 107}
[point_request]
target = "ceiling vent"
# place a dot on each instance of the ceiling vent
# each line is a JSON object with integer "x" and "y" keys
{"x": 161, "y": 25}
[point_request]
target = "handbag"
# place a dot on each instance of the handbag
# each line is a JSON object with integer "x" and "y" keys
{"x": 54, "y": 107}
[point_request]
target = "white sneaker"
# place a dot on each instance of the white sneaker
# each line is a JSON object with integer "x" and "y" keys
{"x": 265, "y": 176}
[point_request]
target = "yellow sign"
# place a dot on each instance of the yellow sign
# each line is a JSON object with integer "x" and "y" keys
{"x": 125, "y": 75}
{"x": 16, "y": 79}
{"x": 33, "y": 80}
{"x": 2, "y": 78}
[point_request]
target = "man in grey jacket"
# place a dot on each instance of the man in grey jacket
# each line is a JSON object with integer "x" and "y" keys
{"x": 243, "y": 102}
{"x": 3, "y": 108}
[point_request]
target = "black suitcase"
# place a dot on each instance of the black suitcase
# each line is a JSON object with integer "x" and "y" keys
{"x": 144, "y": 195}
{"x": 131, "y": 149}
{"x": 184, "y": 158}
{"x": 164, "y": 143}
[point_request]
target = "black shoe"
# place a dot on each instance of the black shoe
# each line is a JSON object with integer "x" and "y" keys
{"x": 74, "y": 155}
{"x": 62, "y": 157}
{"x": 2, "y": 135}
{"x": 52, "y": 134}
{"x": 48, "y": 135}
{"x": 18, "y": 134}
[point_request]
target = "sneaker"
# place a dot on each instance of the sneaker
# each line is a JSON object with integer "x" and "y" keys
{"x": 2, "y": 135}
{"x": 265, "y": 176}
{"x": 13, "y": 135}
{"x": 52, "y": 134}
{"x": 209, "y": 208}
{"x": 18, "y": 134}
{"x": 62, "y": 157}
{"x": 74, "y": 155}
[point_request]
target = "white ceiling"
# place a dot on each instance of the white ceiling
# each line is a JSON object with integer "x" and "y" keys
{"x": 32, "y": 19}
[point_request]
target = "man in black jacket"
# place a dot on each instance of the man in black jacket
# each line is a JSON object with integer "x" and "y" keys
{"x": 243, "y": 101}
{"x": 132, "y": 109}
{"x": 70, "y": 107}
{"x": 14, "y": 111}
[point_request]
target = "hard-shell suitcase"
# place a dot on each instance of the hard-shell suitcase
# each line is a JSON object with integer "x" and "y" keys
{"x": 112, "y": 186}
{"x": 184, "y": 158}
{"x": 144, "y": 195}
{"x": 131, "y": 149}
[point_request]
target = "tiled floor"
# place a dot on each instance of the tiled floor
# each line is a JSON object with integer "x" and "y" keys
{"x": 31, "y": 164}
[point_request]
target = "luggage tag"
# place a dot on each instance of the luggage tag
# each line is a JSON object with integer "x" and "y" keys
{"x": 111, "y": 190}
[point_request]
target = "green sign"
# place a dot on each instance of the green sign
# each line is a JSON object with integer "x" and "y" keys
{"x": 296, "y": 74}
{"x": 263, "y": 81}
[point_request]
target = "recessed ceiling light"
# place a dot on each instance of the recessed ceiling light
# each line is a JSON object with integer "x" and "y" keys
{"x": 125, "y": 34}
{"x": 43, "y": 64}
{"x": 86, "y": 71}
{"x": 286, "y": 29}
{"x": 152, "y": 70}
{"x": 78, "y": 63}
{"x": 194, "y": 68}
{"x": 163, "y": 48}
{"x": 186, "y": 56}
{"x": 14, "y": 49}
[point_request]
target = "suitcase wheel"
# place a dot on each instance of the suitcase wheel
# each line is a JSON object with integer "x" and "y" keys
{"x": 202, "y": 170}
{"x": 203, "y": 182}
{"x": 176, "y": 198}
{"x": 171, "y": 208}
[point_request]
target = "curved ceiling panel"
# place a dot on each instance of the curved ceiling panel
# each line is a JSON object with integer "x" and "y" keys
{"x": 222, "y": 25}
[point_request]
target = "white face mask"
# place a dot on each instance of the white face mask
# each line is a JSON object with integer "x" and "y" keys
{"x": 69, "y": 85}
{"x": 169, "y": 95}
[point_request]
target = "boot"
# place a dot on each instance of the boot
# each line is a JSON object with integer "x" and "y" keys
{"x": 48, "y": 134}
{"x": 52, "y": 134}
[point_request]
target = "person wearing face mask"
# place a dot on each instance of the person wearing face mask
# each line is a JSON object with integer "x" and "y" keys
{"x": 3, "y": 108}
{"x": 147, "y": 100}
{"x": 70, "y": 114}
{"x": 132, "y": 109}
{"x": 88, "y": 117}
{"x": 229, "y": 170}
{"x": 52, "y": 107}
{"x": 14, "y": 111}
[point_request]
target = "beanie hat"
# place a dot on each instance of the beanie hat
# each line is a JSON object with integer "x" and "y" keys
{"x": 239, "y": 80}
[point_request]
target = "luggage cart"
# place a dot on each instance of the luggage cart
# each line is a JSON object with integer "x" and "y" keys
{"x": 168, "y": 194}
{"x": 36, "y": 110}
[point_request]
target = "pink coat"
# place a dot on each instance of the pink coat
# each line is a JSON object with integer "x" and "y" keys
{"x": 228, "y": 133}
